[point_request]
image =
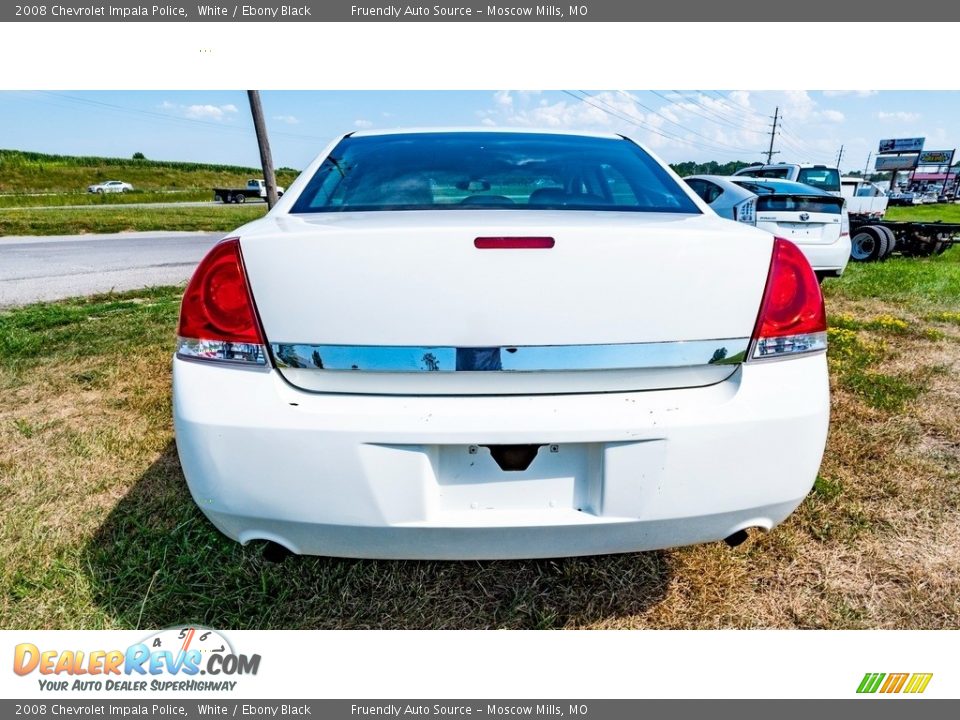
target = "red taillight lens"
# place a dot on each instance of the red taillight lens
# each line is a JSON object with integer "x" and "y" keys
{"x": 217, "y": 317}
{"x": 792, "y": 318}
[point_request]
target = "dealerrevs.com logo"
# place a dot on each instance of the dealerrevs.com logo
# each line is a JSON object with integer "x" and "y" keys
{"x": 889, "y": 683}
{"x": 172, "y": 659}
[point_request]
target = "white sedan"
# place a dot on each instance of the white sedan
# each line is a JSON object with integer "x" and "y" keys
{"x": 110, "y": 186}
{"x": 478, "y": 344}
{"x": 816, "y": 220}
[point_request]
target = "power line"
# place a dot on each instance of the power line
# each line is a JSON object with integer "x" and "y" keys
{"x": 614, "y": 112}
{"x": 794, "y": 142}
{"x": 696, "y": 114}
{"x": 716, "y": 111}
{"x": 679, "y": 125}
{"x": 165, "y": 117}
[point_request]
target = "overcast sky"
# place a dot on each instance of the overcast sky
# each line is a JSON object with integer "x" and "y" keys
{"x": 215, "y": 126}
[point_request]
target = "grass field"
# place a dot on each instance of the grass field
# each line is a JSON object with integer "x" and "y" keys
{"x": 99, "y": 530}
{"x": 73, "y": 221}
{"x": 945, "y": 212}
{"x": 23, "y": 173}
{"x": 35, "y": 186}
{"x": 106, "y": 200}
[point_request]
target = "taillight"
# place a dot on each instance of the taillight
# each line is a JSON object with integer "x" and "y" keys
{"x": 844, "y": 221}
{"x": 792, "y": 318}
{"x": 746, "y": 212}
{"x": 217, "y": 317}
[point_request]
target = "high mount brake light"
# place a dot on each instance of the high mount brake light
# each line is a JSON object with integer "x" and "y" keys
{"x": 218, "y": 320}
{"x": 514, "y": 243}
{"x": 792, "y": 318}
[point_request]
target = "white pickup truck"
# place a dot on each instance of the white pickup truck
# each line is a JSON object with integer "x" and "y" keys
{"x": 254, "y": 189}
{"x": 865, "y": 201}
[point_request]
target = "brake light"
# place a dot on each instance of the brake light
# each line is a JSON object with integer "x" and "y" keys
{"x": 844, "y": 221}
{"x": 218, "y": 320}
{"x": 514, "y": 243}
{"x": 792, "y": 318}
{"x": 746, "y": 212}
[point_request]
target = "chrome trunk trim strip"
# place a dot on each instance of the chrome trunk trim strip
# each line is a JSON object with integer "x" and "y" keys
{"x": 518, "y": 358}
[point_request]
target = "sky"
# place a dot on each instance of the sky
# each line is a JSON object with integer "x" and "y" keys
{"x": 698, "y": 125}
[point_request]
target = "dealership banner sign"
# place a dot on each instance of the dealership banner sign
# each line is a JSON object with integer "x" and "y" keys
{"x": 893, "y": 145}
{"x": 936, "y": 157}
{"x": 896, "y": 162}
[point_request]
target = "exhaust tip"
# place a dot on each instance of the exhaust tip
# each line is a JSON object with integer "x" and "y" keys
{"x": 737, "y": 538}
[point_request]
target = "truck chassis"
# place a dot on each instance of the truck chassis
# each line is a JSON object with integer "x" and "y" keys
{"x": 873, "y": 239}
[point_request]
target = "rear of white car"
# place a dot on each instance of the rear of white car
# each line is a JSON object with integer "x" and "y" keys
{"x": 497, "y": 345}
{"x": 816, "y": 221}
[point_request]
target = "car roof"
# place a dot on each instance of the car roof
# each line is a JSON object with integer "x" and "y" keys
{"x": 762, "y": 166}
{"x": 778, "y": 185}
{"x": 461, "y": 130}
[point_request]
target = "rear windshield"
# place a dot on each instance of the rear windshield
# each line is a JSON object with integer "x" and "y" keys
{"x": 766, "y": 172}
{"x": 823, "y": 178}
{"x": 469, "y": 171}
{"x": 801, "y": 203}
{"x": 789, "y": 196}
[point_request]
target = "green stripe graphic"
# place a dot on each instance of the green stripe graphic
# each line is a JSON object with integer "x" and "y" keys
{"x": 871, "y": 682}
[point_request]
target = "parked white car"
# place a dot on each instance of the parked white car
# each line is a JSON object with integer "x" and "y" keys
{"x": 110, "y": 186}
{"x": 475, "y": 344}
{"x": 815, "y": 220}
{"x": 822, "y": 177}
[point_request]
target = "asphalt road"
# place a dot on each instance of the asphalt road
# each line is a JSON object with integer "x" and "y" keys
{"x": 50, "y": 268}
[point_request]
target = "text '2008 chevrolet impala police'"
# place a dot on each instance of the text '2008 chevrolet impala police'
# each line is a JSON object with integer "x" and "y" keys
{"x": 472, "y": 344}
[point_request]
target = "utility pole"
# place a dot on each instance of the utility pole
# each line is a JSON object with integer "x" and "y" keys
{"x": 266, "y": 159}
{"x": 866, "y": 168}
{"x": 773, "y": 134}
{"x": 839, "y": 157}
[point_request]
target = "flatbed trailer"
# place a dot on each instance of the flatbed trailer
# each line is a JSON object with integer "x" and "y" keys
{"x": 873, "y": 239}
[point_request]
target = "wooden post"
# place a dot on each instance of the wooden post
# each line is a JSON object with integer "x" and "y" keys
{"x": 266, "y": 159}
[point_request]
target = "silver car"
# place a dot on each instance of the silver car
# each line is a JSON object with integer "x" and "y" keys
{"x": 110, "y": 186}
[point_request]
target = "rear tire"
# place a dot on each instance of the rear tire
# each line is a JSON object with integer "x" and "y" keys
{"x": 238, "y": 198}
{"x": 869, "y": 244}
{"x": 891, "y": 241}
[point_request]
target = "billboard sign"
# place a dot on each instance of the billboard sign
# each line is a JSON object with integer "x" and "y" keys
{"x": 936, "y": 157}
{"x": 893, "y": 145}
{"x": 896, "y": 162}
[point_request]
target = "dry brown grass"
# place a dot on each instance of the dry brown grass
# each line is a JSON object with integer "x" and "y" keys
{"x": 99, "y": 527}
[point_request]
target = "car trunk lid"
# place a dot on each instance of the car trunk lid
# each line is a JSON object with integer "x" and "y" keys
{"x": 814, "y": 219}
{"x": 408, "y": 302}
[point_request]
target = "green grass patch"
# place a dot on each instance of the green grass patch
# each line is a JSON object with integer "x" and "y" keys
{"x": 856, "y": 363}
{"x": 947, "y": 212}
{"x": 113, "y": 323}
{"x": 945, "y": 316}
{"x": 921, "y": 285}
{"x": 74, "y": 221}
{"x": 29, "y": 172}
{"x": 54, "y": 200}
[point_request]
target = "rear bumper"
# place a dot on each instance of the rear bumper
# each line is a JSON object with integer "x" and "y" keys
{"x": 409, "y": 477}
{"x": 832, "y": 257}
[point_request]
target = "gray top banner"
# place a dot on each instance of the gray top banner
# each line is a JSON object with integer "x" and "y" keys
{"x": 503, "y": 11}
{"x": 878, "y": 709}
